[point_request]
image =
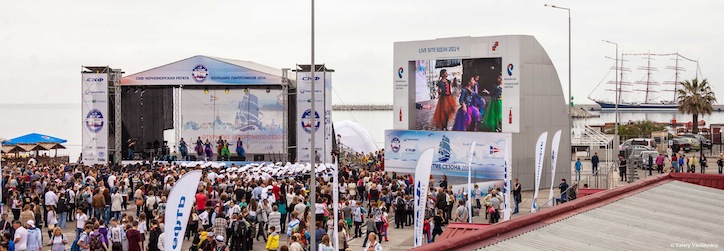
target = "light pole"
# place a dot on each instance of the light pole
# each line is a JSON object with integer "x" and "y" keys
{"x": 618, "y": 90}
{"x": 570, "y": 94}
{"x": 313, "y": 149}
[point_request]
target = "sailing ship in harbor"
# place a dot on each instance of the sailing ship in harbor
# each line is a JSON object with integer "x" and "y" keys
{"x": 646, "y": 93}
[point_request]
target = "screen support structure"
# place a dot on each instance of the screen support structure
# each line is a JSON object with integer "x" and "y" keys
{"x": 285, "y": 90}
{"x": 118, "y": 132}
{"x": 177, "y": 116}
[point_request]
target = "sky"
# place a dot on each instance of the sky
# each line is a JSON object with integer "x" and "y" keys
{"x": 44, "y": 43}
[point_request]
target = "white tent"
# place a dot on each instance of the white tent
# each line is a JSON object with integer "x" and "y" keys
{"x": 355, "y": 136}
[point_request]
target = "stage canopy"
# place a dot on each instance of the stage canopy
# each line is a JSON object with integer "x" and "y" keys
{"x": 205, "y": 70}
{"x": 33, "y": 142}
{"x": 34, "y": 138}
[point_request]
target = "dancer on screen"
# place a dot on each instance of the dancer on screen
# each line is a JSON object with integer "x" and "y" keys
{"x": 467, "y": 116}
{"x": 494, "y": 111}
{"x": 445, "y": 105}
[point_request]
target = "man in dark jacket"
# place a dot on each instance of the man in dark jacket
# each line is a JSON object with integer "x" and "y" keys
{"x": 441, "y": 202}
{"x": 594, "y": 163}
{"x": 516, "y": 194}
{"x": 563, "y": 187}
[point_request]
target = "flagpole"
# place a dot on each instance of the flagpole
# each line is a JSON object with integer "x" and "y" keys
{"x": 470, "y": 185}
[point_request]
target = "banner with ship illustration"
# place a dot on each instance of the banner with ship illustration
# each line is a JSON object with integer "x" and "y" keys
{"x": 403, "y": 149}
{"x": 253, "y": 115}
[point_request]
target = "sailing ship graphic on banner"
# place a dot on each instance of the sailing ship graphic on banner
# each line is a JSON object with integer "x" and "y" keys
{"x": 403, "y": 149}
{"x": 254, "y": 116}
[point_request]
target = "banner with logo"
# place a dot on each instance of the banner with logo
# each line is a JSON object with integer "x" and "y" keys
{"x": 554, "y": 159}
{"x": 254, "y": 116}
{"x": 322, "y": 116}
{"x": 95, "y": 118}
{"x": 540, "y": 147}
{"x": 422, "y": 180}
{"x": 507, "y": 185}
{"x": 178, "y": 209}
{"x": 209, "y": 71}
{"x": 403, "y": 148}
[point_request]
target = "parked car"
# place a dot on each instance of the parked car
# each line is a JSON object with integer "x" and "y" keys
{"x": 705, "y": 143}
{"x": 638, "y": 142}
{"x": 643, "y": 158}
{"x": 680, "y": 145}
{"x": 695, "y": 144}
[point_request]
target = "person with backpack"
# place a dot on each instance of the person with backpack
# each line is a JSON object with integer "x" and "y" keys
{"x": 83, "y": 240}
{"x": 400, "y": 210}
{"x": 153, "y": 236}
{"x": 98, "y": 240}
{"x": 57, "y": 240}
{"x": 358, "y": 215}
{"x": 151, "y": 205}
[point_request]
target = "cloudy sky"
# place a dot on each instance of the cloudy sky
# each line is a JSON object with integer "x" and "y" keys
{"x": 44, "y": 43}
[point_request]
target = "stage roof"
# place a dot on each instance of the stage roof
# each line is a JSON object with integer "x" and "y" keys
{"x": 206, "y": 71}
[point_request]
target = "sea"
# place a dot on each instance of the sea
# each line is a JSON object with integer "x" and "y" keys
{"x": 64, "y": 121}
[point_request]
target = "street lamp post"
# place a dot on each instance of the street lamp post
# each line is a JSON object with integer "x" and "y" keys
{"x": 313, "y": 149}
{"x": 618, "y": 90}
{"x": 570, "y": 94}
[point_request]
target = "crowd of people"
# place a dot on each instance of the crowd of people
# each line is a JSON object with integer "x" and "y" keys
{"x": 122, "y": 207}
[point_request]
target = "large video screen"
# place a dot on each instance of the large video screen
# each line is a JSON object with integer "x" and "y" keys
{"x": 459, "y": 94}
{"x": 254, "y": 116}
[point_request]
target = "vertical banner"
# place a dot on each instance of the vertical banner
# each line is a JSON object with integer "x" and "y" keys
{"x": 507, "y": 186}
{"x": 323, "y": 116}
{"x": 554, "y": 159}
{"x": 422, "y": 180}
{"x": 95, "y": 118}
{"x": 178, "y": 209}
{"x": 470, "y": 185}
{"x": 540, "y": 147}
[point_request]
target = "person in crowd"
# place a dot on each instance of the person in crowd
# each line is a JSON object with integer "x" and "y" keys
{"x": 35, "y": 237}
{"x": 373, "y": 245}
{"x": 517, "y": 197}
{"x": 660, "y": 163}
{"x": 563, "y": 187}
{"x": 578, "y": 169}
{"x": 58, "y": 240}
{"x": 594, "y": 164}
{"x": 702, "y": 163}
{"x": 720, "y": 162}
{"x": 622, "y": 168}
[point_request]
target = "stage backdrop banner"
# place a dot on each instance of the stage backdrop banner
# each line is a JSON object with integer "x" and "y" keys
{"x": 178, "y": 209}
{"x": 255, "y": 117}
{"x": 403, "y": 149}
{"x": 422, "y": 180}
{"x": 540, "y": 148}
{"x": 95, "y": 118}
{"x": 322, "y": 115}
{"x": 554, "y": 159}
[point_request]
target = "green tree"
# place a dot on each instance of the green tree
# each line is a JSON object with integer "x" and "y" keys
{"x": 638, "y": 129}
{"x": 695, "y": 98}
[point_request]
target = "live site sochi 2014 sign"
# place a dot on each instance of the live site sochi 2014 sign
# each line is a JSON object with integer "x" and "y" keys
{"x": 95, "y": 118}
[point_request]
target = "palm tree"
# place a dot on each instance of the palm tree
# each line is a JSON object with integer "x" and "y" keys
{"x": 695, "y": 98}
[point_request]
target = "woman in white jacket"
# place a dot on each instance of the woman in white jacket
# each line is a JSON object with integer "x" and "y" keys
{"x": 116, "y": 204}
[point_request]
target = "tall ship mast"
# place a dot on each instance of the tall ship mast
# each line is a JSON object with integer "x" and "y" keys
{"x": 645, "y": 93}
